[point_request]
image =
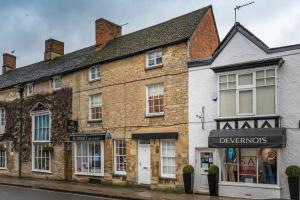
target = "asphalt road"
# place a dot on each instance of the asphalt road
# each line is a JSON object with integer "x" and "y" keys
{"x": 19, "y": 193}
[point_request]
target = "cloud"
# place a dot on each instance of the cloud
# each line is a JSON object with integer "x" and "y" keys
{"x": 25, "y": 25}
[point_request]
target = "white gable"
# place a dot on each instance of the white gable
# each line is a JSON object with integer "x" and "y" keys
{"x": 239, "y": 49}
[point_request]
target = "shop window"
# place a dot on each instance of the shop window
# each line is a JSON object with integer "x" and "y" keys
{"x": 168, "y": 162}
{"x": 89, "y": 158}
{"x": 41, "y": 141}
{"x": 120, "y": 157}
{"x": 95, "y": 107}
{"x": 250, "y": 165}
{"x": 2, "y": 159}
{"x": 155, "y": 99}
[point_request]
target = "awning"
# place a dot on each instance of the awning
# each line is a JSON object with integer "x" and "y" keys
{"x": 147, "y": 136}
{"x": 89, "y": 136}
{"x": 247, "y": 138}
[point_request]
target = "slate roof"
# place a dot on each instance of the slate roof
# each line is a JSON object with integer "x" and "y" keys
{"x": 173, "y": 31}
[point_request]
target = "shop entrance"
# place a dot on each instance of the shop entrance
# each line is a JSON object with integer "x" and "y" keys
{"x": 204, "y": 158}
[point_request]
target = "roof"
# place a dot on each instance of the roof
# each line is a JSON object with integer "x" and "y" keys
{"x": 176, "y": 30}
{"x": 237, "y": 27}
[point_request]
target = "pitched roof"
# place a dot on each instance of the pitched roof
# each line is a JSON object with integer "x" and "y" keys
{"x": 173, "y": 31}
{"x": 237, "y": 27}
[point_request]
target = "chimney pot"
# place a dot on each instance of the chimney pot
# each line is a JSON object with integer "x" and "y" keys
{"x": 106, "y": 31}
{"x": 9, "y": 62}
{"x": 53, "y": 49}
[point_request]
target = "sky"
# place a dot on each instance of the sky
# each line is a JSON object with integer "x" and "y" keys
{"x": 26, "y": 24}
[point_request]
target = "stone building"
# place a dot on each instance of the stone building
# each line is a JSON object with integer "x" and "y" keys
{"x": 114, "y": 112}
{"x": 248, "y": 97}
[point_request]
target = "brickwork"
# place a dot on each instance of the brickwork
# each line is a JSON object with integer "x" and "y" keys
{"x": 53, "y": 48}
{"x": 106, "y": 31}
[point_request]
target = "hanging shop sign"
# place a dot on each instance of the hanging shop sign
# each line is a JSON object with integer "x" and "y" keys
{"x": 72, "y": 126}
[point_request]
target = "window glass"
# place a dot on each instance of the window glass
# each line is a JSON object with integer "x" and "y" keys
{"x": 57, "y": 83}
{"x": 30, "y": 89}
{"x": 95, "y": 112}
{"x": 2, "y": 117}
{"x": 227, "y": 103}
{"x": 245, "y": 101}
{"x": 168, "y": 162}
{"x": 154, "y": 58}
{"x": 94, "y": 73}
{"x": 120, "y": 156}
{"x": 2, "y": 159}
{"x": 155, "y": 98}
{"x": 265, "y": 100}
{"x": 245, "y": 79}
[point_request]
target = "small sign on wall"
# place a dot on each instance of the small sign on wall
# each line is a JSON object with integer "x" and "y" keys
{"x": 72, "y": 126}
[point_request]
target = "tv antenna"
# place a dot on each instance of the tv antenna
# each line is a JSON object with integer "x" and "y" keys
{"x": 237, "y": 7}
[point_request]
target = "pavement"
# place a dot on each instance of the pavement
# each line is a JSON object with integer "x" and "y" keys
{"x": 100, "y": 190}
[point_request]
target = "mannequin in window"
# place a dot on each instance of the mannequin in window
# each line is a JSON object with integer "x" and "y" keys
{"x": 230, "y": 161}
{"x": 268, "y": 156}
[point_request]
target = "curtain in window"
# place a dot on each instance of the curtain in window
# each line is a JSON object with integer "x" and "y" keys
{"x": 227, "y": 103}
{"x": 265, "y": 100}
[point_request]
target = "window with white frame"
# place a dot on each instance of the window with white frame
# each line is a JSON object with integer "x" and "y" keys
{"x": 2, "y": 121}
{"x": 250, "y": 93}
{"x": 56, "y": 83}
{"x": 120, "y": 156}
{"x": 94, "y": 73}
{"x": 30, "y": 89}
{"x": 2, "y": 159}
{"x": 95, "y": 107}
{"x": 155, "y": 99}
{"x": 168, "y": 162}
{"x": 89, "y": 158}
{"x": 154, "y": 58}
{"x": 41, "y": 157}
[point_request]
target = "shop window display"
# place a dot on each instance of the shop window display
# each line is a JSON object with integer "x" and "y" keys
{"x": 250, "y": 165}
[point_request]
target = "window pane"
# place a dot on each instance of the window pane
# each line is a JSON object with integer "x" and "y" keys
{"x": 270, "y": 73}
{"x": 168, "y": 161}
{"x": 248, "y": 165}
{"x": 231, "y": 85}
{"x": 270, "y": 81}
{"x": 267, "y": 165}
{"x": 246, "y": 101}
{"x": 260, "y": 82}
{"x": 260, "y": 74}
{"x": 223, "y": 79}
{"x": 227, "y": 103}
{"x": 231, "y": 78}
{"x": 265, "y": 100}
{"x": 246, "y": 79}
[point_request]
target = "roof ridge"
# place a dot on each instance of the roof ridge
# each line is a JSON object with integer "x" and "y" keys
{"x": 183, "y": 15}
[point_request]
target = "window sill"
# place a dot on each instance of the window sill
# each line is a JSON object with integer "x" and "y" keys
{"x": 153, "y": 67}
{"x": 154, "y": 115}
{"x": 167, "y": 178}
{"x": 94, "y": 80}
{"x": 42, "y": 171}
{"x": 88, "y": 174}
{"x": 119, "y": 175}
{"x": 2, "y": 169}
{"x": 94, "y": 120}
{"x": 253, "y": 185}
{"x": 56, "y": 89}
{"x": 247, "y": 116}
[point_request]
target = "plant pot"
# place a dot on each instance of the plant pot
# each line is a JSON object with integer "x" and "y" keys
{"x": 213, "y": 184}
{"x": 188, "y": 182}
{"x": 294, "y": 187}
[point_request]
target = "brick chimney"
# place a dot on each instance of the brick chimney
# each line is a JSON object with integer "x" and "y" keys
{"x": 53, "y": 49}
{"x": 106, "y": 31}
{"x": 9, "y": 62}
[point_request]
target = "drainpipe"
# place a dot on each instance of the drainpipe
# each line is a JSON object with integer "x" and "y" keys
{"x": 21, "y": 121}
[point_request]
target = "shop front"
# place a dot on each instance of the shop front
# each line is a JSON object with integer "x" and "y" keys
{"x": 249, "y": 161}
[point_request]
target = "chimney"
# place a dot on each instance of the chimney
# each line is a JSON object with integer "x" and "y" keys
{"x": 9, "y": 62}
{"x": 106, "y": 31}
{"x": 53, "y": 49}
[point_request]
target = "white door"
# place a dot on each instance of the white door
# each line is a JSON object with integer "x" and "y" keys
{"x": 144, "y": 166}
{"x": 204, "y": 158}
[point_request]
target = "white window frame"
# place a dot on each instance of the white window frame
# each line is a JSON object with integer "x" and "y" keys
{"x": 115, "y": 158}
{"x": 33, "y": 115}
{"x": 30, "y": 89}
{"x": 156, "y": 64}
{"x": 5, "y": 161}
{"x": 241, "y": 88}
{"x": 247, "y": 71}
{"x": 90, "y": 107}
{"x": 54, "y": 79}
{"x": 147, "y": 102}
{"x": 2, "y": 119}
{"x": 97, "y": 75}
{"x": 161, "y": 159}
{"x": 102, "y": 159}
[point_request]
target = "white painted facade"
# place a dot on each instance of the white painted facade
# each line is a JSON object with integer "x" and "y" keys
{"x": 203, "y": 88}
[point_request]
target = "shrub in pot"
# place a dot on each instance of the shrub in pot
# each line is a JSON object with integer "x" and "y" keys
{"x": 293, "y": 173}
{"x": 188, "y": 178}
{"x": 213, "y": 179}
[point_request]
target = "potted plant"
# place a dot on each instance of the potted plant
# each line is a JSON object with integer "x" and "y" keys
{"x": 293, "y": 173}
{"x": 213, "y": 179}
{"x": 188, "y": 178}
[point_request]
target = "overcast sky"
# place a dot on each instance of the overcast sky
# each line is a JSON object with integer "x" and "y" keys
{"x": 26, "y": 24}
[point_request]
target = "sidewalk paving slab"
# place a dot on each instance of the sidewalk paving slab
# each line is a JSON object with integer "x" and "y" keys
{"x": 110, "y": 191}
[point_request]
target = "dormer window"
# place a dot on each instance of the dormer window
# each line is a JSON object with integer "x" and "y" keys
{"x": 56, "y": 83}
{"x": 30, "y": 89}
{"x": 94, "y": 73}
{"x": 154, "y": 59}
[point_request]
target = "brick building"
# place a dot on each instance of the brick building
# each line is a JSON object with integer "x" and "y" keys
{"x": 126, "y": 98}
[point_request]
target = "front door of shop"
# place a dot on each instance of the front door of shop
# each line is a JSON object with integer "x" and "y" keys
{"x": 204, "y": 158}
{"x": 144, "y": 166}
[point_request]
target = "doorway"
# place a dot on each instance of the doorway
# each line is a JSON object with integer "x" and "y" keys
{"x": 144, "y": 162}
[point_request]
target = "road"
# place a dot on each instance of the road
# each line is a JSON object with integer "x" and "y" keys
{"x": 20, "y": 193}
